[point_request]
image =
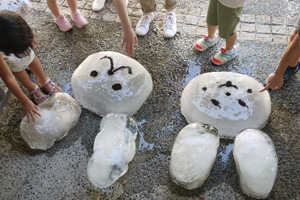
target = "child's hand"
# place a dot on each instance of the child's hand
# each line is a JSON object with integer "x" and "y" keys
{"x": 275, "y": 82}
{"x": 30, "y": 109}
{"x": 129, "y": 40}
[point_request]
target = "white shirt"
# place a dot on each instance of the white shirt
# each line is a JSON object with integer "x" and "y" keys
{"x": 233, "y": 3}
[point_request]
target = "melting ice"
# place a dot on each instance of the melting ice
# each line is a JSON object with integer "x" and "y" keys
{"x": 256, "y": 161}
{"x": 59, "y": 113}
{"x": 114, "y": 148}
{"x": 223, "y": 99}
{"x": 110, "y": 82}
{"x": 193, "y": 155}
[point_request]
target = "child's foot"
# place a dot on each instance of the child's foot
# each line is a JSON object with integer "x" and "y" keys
{"x": 291, "y": 71}
{"x": 170, "y": 25}
{"x": 50, "y": 88}
{"x": 224, "y": 56}
{"x": 205, "y": 42}
{"x": 38, "y": 96}
{"x": 63, "y": 23}
{"x": 79, "y": 20}
{"x": 98, "y": 5}
{"x": 143, "y": 24}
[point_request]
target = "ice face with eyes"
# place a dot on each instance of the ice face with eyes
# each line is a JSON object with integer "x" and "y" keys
{"x": 108, "y": 82}
{"x": 226, "y": 100}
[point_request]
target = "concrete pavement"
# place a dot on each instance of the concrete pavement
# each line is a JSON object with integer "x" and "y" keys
{"x": 60, "y": 172}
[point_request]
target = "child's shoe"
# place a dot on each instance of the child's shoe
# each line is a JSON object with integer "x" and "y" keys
{"x": 205, "y": 42}
{"x": 170, "y": 25}
{"x": 291, "y": 71}
{"x": 40, "y": 99}
{"x": 79, "y": 20}
{"x": 98, "y": 5}
{"x": 224, "y": 56}
{"x": 143, "y": 24}
{"x": 63, "y": 23}
{"x": 54, "y": 88}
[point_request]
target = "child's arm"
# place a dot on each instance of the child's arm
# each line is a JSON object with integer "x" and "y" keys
{"x": 29, "y": 109}
{"x": 291, "y": 55}
{"x": 129, "y": 38}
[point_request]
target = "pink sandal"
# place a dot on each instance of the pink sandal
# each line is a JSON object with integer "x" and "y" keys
{"x": 55, "y": 88}
{"x": 38, "y": 100}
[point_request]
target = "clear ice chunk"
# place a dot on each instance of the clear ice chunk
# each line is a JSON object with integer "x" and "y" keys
{"x": 60, "y": 113}
{"x": 256, "y": 162}
{"x": 114, "y": 148}
{"x": 193, "y": 155}
{"x": 110, "y": 82}
{"x": 226, "y": 98}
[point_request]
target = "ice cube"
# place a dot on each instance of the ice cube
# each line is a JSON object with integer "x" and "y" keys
{"x": 193, "y": 155}
{"x": 114, "y": 148}
{"x": 60, "y": 113}
{"x": 226, "y": 98}
{"x": 256, "y": 162}
{"x": 110, "y": 82}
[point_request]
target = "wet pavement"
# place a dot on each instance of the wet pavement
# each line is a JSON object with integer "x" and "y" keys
{"x": 60, "y": 172}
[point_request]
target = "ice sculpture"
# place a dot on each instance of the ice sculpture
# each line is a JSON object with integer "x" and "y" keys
{"x": 193, "y": 155}
{"x": 60, "y": 113}
{"x": 115, "y": 86}
{"x": 256, "y": 162}
{"x": 226, "y": 100}
{"x": 108, "y": 82}
{"x": 114, "y": 148}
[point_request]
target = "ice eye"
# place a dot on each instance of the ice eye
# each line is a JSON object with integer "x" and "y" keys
{"x": 215, "y": 102}
{"x": 94, "y": 73}
{"x": 242, "y": 103}
{"x": 228, "y": 93}
{"x": 117, "y": 86}
{"x": 249, "y": 91}
{"x": 204, "y": 88}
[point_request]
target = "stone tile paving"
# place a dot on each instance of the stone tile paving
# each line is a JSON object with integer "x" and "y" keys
{"x": 190, "y": 20}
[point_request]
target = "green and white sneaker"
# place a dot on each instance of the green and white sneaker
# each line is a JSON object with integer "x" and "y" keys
{"x": 205, "y": 42}
{"x": 224, "y": 56}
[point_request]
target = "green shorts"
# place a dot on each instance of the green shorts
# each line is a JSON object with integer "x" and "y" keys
{"x": 225, "y": 18}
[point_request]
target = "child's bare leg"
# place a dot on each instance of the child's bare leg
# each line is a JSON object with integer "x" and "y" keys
{"x": 231, "y": 41}
{"x": 23, "y": 77}
{"x": 211, "y": 30}
{"x": 52, "y": 4}
{"x": 72, "y": 5}
{"x": 37, "y": 69}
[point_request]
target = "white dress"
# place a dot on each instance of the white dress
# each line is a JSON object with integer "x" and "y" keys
{"x": 19, "y": 6}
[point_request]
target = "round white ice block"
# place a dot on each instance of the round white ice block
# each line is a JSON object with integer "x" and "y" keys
{"x": 256, "y": 162}
{"x": 193, "y": 155}
{"x": 114, "y": 148}
{"x": 59, "y": 113}
{"x": 108, "y": 82}
{"x": 226, "y": 100}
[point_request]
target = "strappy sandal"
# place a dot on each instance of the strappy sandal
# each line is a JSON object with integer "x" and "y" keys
{"x": 38, "y": 100}
{"x": 55, "y": 88}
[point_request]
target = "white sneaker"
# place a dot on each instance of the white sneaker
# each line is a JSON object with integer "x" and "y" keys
{"x": 142, "y": 26}
{"x": 170, "y": 25}
{"x": 98, "y": 5}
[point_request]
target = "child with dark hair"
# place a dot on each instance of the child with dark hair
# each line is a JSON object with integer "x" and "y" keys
{"x": 16, "y": 54}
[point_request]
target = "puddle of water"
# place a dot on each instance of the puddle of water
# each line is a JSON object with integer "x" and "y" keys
{"x": 224, "y": 154}
{"x": 193, "y": 70}
{"x": 143, "y": 144}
